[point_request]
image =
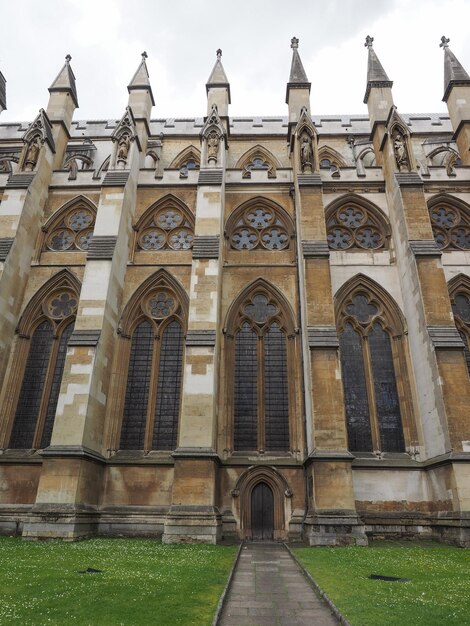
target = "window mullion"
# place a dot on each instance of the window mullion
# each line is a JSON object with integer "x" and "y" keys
{"x": 261, "y": 416}
{"x": 374, "y": 422}
{"x": 152, "y": 399}
{"x": 46, "y": 392}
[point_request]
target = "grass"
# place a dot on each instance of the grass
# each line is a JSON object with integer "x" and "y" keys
{"x": 438, "y": 591}
{"x": 142, "y": 582}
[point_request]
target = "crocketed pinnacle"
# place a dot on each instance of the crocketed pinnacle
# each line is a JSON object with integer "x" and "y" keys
{"x": 454, "y": 73}
{"x": 141, "y": 79}
{"x": 376, "y": 75}
{"x": 65, "y": 81}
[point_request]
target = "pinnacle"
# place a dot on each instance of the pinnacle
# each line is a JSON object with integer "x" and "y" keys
{"x": 454, "y": 72}
{"x": 65, "y": 81}
{"x": 218, "y": 77}
{"x": 376, "y": 75}
{"x": 141, "y": 79}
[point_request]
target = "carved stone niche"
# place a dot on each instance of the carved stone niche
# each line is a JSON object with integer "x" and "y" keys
{"x": 306, "y": 152}
{"x": 400, "y": 150}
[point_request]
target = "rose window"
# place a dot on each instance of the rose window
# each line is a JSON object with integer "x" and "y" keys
{"x": 167, "y": 228}
{"x": 73, "y": 232}
{"x": 260, "y": 228}
{"x": 62, "y": 305}
{"x": 450, "y": 227}
{"x": 353, "y": 227}
{"x": 160, "y": 304}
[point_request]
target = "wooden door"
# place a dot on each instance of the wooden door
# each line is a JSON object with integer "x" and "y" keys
{"x": 262, "y": 513}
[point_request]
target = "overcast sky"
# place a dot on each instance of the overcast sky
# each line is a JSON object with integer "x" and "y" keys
{"x": 106, "y": 38}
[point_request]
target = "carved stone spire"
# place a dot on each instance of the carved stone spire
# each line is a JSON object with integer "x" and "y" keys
{"x": 376, "y": 75}
{"x": 218, "y": 88}
{"x": 297, "y": 78}
{"x": 454, "y": 73}
{"x": 218, "y": 78}
{"x": 3, "y": 93}
{"x": 141, "y": 80}
{"x": 65, "y": 81}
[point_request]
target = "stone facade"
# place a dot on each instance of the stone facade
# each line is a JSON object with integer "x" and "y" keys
{"x": 192, "y": 307}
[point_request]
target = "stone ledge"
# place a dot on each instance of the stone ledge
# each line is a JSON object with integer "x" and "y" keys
{"x": 200, "y": 338}
{"x": 116, "y": 178}
{"x": 445, "y": 337}
{"x": 210, "y": 177}
{"x": 191, "y": 453}
{"x": 81, "y": 452}
{"x": 20, "y": 181}
{"x": 84, "y": 338}
{"x": 102, "y": 247}
{"x": 330, "y": 455}
{"x": 206, "y": 247}
{"x": 322, "y": 337}
{"x": 312, "y": 249}
{"x": 309, "y": 180}
{"x": 408, "y": 179}
{"x": 5, "y": 246}
{"x": 425, "y": 247}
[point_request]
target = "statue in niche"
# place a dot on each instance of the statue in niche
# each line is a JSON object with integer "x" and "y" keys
{"x": 306, "y": 153}
{"x": 32, "y": 154}
{"x": 123, "y": 149}
{"x": 401, "y": 154}
{"x": 213, "y": 146}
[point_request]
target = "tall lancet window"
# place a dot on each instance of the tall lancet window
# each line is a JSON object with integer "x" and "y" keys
{"x": 44, "y": 330}
{"x": 260, "y": 366}
{"x": 372, "y": 363}
{"x": 152, "y": 395}
{"x": 460, "y": 298}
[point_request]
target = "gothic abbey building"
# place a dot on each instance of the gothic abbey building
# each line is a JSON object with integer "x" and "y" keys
{"x": 225, "y": 327}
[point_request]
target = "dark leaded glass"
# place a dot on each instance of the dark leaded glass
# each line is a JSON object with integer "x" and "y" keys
{"x": 369, "y": 237}
{"x": 32, "y": 388}
{"x": 260, "y": 309}
{"x": 276, "y": 397}
{"x": 244, "y": 239}
{"x": 182, "y": 239}
{"x": 246, "y": 394}
{"x": 137, "y": 390}
{"x": 461, "y": 307}
{"x": 445, "y": 216}
{"x": 339, "y": 238}
{"x": 63, "y": 305}
{"x": 460, "y": 237}
{"x": 355, "y": 391}
{"x": 169, "y": 219}
{"x": 466, "y": 349}
{"x": 351, "y": 217}
{"x": 61, "y": 239}
{"x": 385, "y": 389}
{"x": 361, "y": 309}
{"x": 275, "y": 239}
{"x": 161, "y": 305}
{"x": 165, "y": 429}
{"x": 55, "y": 388}
{"x": 80, "y": 220}
{"x": 259, "y": 218}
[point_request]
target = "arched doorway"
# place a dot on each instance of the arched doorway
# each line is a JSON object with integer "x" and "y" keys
{"x": 262, "y": 512}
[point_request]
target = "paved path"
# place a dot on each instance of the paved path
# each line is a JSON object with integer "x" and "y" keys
{"x": 269, "y": 588}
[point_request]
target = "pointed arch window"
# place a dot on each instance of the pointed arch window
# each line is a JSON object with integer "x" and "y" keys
{"x": 260, "y": 366}
{"x": 44, "y": 349}
{"x": 259, "y": 225}
{"x": 165, "y": 226}
{"x": 151, "y": 404}
{"x": 71, "y": 228}
{"x": 352, "y": 224}
{"x": 460, "y": 299}
{"x": 450, "y": 220}
{"x": 371, "y": 362}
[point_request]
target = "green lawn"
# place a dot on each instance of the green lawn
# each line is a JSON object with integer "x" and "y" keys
{"x": 438, "y": 591}
{"x": 142, "y": 582}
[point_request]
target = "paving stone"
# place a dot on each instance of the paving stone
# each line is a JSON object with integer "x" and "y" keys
{"x": 269, "y": 588}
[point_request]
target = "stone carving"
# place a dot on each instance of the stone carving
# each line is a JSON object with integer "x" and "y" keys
{"x": 123, "y": 149}
{"x": 306, "y": 153}
{"x": 213, "y": 141}
{"x": 32, "y": 154}
{"x": 401, "y": 153}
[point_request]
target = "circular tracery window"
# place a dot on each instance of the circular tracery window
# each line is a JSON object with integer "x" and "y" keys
{"x": 352, "y": 226}
{"x": 61, "y": 304}
{"x": 450, "y": 227}
{"x": 160, "y": 304}
{"x": 73, "y": 232}
{"x": 260, "y": 228}
{"x": 168, "y": 228}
